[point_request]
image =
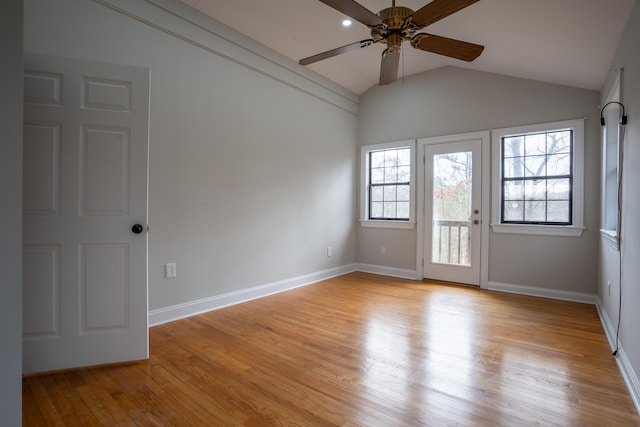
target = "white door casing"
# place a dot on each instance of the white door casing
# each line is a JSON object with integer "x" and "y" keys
{"x": 476, "y": 272}
{"x": 85, "y": 186}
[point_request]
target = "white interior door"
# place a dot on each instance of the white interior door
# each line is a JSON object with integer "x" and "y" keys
{"x": 85, "y": 187}
{"x": 453, "y": 211}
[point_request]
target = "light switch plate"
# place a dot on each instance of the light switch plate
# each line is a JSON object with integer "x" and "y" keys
{"x": 170, "y": 270}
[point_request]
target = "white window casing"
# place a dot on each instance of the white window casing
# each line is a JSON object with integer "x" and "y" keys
{"x": 364, "y": 186}
{"x": 576, "y": 227}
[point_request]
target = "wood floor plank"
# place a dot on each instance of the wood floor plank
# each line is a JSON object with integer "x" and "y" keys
{"x": 356, "y": 350}
{"x": 31, "y": 414}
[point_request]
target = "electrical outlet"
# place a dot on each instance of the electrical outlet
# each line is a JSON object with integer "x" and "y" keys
{"x": 609, "y": 287}
{"x": 170, "y": 270}
{"x": 329, "y": 251}
{"x": 383, "y": 250}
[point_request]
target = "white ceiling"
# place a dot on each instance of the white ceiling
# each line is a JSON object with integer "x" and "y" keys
{"x": 570, "y": 42}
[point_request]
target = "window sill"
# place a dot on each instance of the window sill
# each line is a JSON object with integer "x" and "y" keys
{"x": 610, "y": 237}
{"x": 539, "y": 230}
{"x": 406, "y": 225}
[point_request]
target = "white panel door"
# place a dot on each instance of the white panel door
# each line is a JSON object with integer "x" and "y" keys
{"x": 453, "y": 203}
{"x": 85, "y": 187}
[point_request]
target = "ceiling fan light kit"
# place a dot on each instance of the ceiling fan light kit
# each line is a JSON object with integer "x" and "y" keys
{"x": 395, "y": 24}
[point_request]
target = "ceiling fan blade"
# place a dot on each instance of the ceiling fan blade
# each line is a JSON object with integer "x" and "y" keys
{"x": 335, "y": 52}
{"x": 389, "y": 66}
{"x": 438, "y": 9}
{"x": 355, "y": 11}
{"x": 448, "y": 47}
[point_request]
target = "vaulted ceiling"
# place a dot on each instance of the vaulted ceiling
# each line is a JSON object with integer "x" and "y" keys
{"x": 570, "y": 42}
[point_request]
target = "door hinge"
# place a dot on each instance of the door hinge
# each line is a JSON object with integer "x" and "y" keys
{"x": 422, "y": 262}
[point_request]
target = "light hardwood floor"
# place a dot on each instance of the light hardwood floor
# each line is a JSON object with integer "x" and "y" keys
{"x": 357, "y": 350}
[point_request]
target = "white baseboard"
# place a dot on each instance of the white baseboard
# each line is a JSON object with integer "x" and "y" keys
{"x": 192, "y": 308}
{"x": 628, "y": 374}
{"x": 180, "y": 311}
{"x": 534, "y": 291}
{"x": 387, "y": 271}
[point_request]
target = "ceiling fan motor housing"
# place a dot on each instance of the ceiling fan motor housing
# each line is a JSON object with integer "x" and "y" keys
{"x": 394, "y": 17}
{"x": 396, "y": 26}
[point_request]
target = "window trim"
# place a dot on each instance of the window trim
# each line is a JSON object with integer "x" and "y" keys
{"x": 577, "y": 227}
{"x": 364, "y": 186}
{"x": 610, "y": 235}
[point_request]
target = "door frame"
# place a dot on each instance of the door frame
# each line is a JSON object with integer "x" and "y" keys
{"x": 484, "y": 138}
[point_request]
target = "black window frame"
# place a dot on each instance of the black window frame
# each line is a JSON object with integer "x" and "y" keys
{"x": 396, "y": 184}
{"x": 524, "y": 179}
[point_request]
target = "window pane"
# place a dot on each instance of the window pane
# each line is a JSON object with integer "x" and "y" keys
{"x": 389, "y": 193}
{"x": 535, "y": 145}
{"x": 535, "y": 166}
{"x": 376, "y": 210}
{"x": 559, "y": 142}
{"x": 403, "y": 210}
{"x": 558, "y": 164}
{"x": 404, "y": 193}
{"x": 377, "y": 159}
{"x": 514, "y": 167}
{"x": 390, "y": 174}
{"x": 377, "y": 175}
{"x": 535, "y": 189}
{"x": 389, "y": 210}
{"x": 404, "y": 157}
{"x": 558, "y": 211}
{"x": 391, "y": 157}
{"x": 558, "y": 189}
{"x": 404, "y": 173}
{"x": 513, "y": 210}
{"x": 535, "y": 211}
{"x": 376, "y": 194}
{"x": 513, "y": 146}
{"x": 513, "y": 190}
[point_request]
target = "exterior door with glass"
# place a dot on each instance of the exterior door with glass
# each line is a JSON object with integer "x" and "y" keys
{"x": 453, "y": 203}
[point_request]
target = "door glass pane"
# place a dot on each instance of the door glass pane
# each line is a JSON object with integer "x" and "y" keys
{"x": 452, "y": 183}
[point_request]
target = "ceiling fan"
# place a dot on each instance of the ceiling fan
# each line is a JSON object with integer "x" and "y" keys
{"x": 395, "y": 24}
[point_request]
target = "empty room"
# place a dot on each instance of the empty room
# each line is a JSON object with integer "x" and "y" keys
{"x": 303, "y": 212}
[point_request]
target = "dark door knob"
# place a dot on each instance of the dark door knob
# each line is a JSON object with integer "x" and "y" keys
{"x": 137, "y": 229}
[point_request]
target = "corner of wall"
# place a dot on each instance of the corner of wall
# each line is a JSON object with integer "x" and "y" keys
{"x": 624, "y": 364}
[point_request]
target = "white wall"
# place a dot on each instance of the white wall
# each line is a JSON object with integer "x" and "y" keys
{"x": 11, "y": 212}
{"x": 453, "y": 100}
{"x": 251, "y": 176}
{"x": 627, "y": 58}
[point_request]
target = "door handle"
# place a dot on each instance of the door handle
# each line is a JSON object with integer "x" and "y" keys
{"x": 137, "y": 228}
{"x": 475, "y": 221}
{"x": 476, "y": 211}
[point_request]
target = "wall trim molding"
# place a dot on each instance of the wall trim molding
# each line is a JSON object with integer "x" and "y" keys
{"x": 382, "y": 270}
{"x": 192, "y": 308}
{"x": 624, "y": 364}
{"x": 184, "y": 23}
{"x": 535, "y": 291}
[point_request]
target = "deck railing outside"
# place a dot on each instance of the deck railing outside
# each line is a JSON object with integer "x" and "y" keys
{"x": 451, "y": 242}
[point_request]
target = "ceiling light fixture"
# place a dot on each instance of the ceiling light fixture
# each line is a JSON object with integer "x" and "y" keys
{"x": 346, "y": 23}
